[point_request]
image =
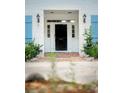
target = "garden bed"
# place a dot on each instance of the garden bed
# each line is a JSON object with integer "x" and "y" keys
{"x": 60, "y": 87}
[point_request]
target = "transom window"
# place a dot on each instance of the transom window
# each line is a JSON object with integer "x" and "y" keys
{"x": 71, "y": 21}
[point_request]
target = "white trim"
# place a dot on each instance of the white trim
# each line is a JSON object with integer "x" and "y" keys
{"x": 69, "y": 47}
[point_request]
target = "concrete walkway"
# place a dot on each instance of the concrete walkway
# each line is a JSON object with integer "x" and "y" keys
{"x": 84, "y": 72}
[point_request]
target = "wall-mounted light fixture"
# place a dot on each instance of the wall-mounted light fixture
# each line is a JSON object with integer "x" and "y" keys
{"x": 84, "y": 18}
{"x": 72, "y": 21}
{"x": 63, "y": 21}
{"x": 38, "y": 18}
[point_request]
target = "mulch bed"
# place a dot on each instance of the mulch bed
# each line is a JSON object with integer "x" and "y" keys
{"x": 59, "y": 87}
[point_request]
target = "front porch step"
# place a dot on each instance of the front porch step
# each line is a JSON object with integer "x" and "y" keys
{"x": 64, "y": 54}
{"x": 63, "y": 57}
{"x": 70, "y": 59}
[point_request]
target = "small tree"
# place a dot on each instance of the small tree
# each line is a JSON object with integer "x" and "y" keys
{"x": 90, "y": 47}
{"x": 88, "y": 37}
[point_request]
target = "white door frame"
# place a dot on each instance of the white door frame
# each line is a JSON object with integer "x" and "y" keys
{"x": 72, "y": 43}
{"x": 69, "y": 38}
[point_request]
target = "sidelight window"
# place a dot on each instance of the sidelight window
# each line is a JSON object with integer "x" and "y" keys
{"x": 48, "y": 31}
{"x": 73, "y": 31}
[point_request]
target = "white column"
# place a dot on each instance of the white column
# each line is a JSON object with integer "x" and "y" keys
{"x": 81, "y": 31}
{"x": 38, "y": 29}
{"x": 42, "y": 38}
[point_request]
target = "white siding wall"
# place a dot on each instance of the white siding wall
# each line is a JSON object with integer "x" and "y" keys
{"x": 33, "y": 7}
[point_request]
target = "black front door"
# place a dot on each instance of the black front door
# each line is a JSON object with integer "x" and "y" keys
{"x": 61, "y": 37}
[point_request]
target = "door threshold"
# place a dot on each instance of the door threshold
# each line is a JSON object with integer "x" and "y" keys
{"x": 61, "y": 51}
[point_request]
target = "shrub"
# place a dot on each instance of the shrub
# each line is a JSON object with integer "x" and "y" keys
{"x": 92, "y": 51}
{"x": 31, "y": 50}
{"x": 90, "y": 47}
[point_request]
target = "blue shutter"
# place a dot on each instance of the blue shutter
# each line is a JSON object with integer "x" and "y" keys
{"x": 94, "y": 27}
{"x": 28, "y": 28}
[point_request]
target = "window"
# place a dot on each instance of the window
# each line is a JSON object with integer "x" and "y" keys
{"x": 94, "y": 27}
{"x": 53, "y": 20}
{"x": 73, "y": 31}
{"x": 28, "y": 29}
{"x": 48, "y": 31}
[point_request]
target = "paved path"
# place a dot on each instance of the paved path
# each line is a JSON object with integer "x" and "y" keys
{"x": 84, "y": 71}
